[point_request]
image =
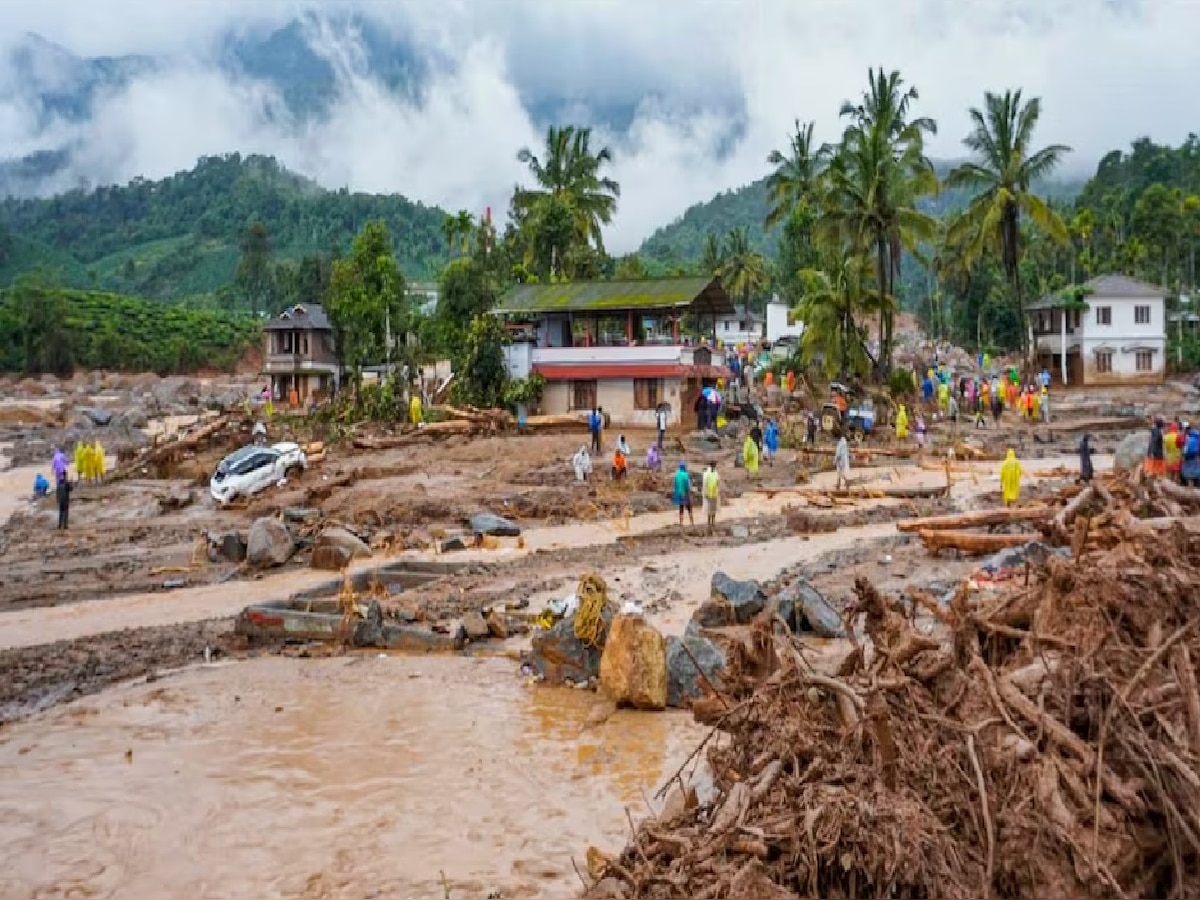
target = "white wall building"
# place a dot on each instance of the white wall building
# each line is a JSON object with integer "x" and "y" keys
{"x": 780, "y": 322}
{"x": 742, "y": 326}
{"x": 1119, "y": 338}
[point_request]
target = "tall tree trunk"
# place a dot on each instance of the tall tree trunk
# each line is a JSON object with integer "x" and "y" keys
{"x": 881, "y": 280}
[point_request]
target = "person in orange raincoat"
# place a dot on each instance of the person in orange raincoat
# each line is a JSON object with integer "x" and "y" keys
{"x": 790, "y": 382}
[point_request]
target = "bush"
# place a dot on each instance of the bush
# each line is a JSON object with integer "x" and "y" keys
{"x": 901, "y": 383}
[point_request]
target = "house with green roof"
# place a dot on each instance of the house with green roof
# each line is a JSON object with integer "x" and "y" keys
{"x": 629, "y": 347}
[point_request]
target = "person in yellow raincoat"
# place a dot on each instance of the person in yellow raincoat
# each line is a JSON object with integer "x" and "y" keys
{"x": 415, "y": 413}
{"x": 902, "y": 423}
{"x": 1010, "y": 479}
{"x": 98, "y": 449}
{"x": 79, "y": 460}
{"x": 943, "y": 395}
{"x": 750, "y": 456}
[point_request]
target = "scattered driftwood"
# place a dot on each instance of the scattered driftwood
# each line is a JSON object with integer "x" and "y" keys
{"x": 1048, "y": 746}
{"x": 1001, "y": 516}
{"x": 186, "y": 441}
{"x": 432, "y": 431}
{"x": 972, "y": 542}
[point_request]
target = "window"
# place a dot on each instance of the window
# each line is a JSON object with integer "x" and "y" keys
{"x": 1103, "y": 315}
{"x": 1076, "y": 320}
{"x": 647, "y": 393}
{"x": 1104, "y": 362}
{"x": 1141, "y": 315}
{"x": 583, "y": 395}
{"x": 1144, "y": 358}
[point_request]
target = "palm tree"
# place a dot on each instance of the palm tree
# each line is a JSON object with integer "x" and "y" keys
{"x": 713, "y": 256}
{"x": 878, "y": 173}
{"x": 796, "y": 176}
{"x": 1003, "y": 173}
{"x": 832, "y": 299}
{"x": 449, "y": 229}
{"x": 744, "y": 269}
{"x": 570, "y": 172}
{"x": 465, "y": 223}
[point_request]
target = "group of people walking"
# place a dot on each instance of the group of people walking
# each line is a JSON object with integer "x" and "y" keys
{"x": 1173, "y": 452}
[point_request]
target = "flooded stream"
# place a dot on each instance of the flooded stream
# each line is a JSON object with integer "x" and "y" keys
{"x": 362, "y": 777}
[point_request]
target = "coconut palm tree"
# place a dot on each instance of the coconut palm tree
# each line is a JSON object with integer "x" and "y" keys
{"x": 713, "y": 256}
{"x": 744, "y": 270}
{"x": 571, "y": 173}
{"x": 832, "y": 299}
{"x": 875, "y": 178}
{"x": 796, "y": 176}
{"x": 1003, "y": 173}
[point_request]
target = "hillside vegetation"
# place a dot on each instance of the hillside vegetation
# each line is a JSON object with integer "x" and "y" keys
{"x": 44, "y": 328}
{"x": 181, "y": 237}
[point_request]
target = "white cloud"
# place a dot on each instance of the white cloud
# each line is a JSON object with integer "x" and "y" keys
{"x": 1108, "y": 71}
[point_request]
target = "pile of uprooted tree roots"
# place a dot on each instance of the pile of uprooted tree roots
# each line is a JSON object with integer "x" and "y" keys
{"x": 1043, "y": 744}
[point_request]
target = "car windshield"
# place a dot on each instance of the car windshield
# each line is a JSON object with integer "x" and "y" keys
{"x": 236, "y": 461}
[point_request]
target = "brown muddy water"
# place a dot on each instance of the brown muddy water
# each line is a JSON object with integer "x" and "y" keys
{"x": 367, "y": 777}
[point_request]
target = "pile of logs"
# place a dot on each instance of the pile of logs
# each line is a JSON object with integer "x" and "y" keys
{"x": 454, "y": 421}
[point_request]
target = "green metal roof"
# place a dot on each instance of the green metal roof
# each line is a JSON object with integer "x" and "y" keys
{"x": 704, "y": 295}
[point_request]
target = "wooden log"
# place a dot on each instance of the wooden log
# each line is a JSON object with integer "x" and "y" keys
{"x": 864, "y": 452}
{"x": 972, "y": 542}
{"x": 1178, "y": 492}
{"x": 1068, "y": 512}
{"x": 556, "y": 423}
{"x": 186, "y": 442}
{"x": 429, "y": 432}
{"x": 976, "y": 519}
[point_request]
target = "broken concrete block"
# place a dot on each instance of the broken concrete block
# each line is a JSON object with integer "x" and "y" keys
{"x": 633, "y": 667}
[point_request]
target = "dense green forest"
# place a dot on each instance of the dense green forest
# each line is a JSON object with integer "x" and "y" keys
{"x": 45, "y": 328}
{"x": 182, "y": 237}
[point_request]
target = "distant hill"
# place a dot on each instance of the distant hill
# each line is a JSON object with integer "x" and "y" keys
{"x": 180, "y": 237}
{"x": 746, "y": 207}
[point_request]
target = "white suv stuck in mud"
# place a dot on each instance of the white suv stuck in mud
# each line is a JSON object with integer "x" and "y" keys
{"x": 245, "y": 472}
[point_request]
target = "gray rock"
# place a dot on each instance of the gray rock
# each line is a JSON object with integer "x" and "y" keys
{"x": 344, "y": 540}
{"x": 476, "y": 626}
{"x": 227, "y": 546}
{"x": 746, "y": 597}
{"x": 301, "y": 515}
{"x": 269, "y": 543}
{"x": 558, "y": 656}
{"x": 451, "y": 544}
{"x": 498, "y": 526}
{"x": 134, "y": 417}
{"x": 684, "y": 682}
{"x": 416, "y": 639}
{"x": 1131, "y": 451}
{"x": 98, "y": 415}
{"x": 1013, "y": 557}
{"x": 713, "y": 613}
{"x": 810, "y": 610}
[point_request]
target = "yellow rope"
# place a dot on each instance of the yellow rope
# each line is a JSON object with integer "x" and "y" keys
{"x": 589, "y": 619}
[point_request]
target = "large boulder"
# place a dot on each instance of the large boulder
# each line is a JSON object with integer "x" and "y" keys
{"x": 497, "y": 526}
{"x": 328, "y": 558}
{"x": 746, "y": 598}
{"x": 269, "y": 543}
{"x": 1131, "y": 451}
{"x": 684, "y": 681}
{"x": 98, "y": 415}
{"x": 475, "y": 626}
{"x": 633, "y": 667}
{"x": 803, "y": 608}
{"x": 344, "y": 540}
{"x": 558, "y": 656}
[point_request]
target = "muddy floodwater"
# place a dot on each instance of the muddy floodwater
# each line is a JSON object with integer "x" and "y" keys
{"x": 360, "y": 777}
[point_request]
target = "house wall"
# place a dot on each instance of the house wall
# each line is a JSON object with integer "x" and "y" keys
{"x": 777, "y": 322}
{"x": 615, "y": 395}
{"x": 1123, "y": 336}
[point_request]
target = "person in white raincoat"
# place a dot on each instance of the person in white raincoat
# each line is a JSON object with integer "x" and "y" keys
{"x": 582, "y": 463}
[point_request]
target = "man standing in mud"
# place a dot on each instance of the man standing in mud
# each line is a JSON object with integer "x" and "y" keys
{"x": 63, "y": 495}
{"x": 595, "y": 426}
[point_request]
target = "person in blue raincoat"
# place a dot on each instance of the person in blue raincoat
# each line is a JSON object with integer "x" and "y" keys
{"x": 770, "y": 441}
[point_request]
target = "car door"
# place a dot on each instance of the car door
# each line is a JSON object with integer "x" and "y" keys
{"x": 261, "y": 474}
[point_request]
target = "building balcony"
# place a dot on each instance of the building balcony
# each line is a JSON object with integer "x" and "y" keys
{"x": 290, "y": 363}
{"x": 1053, "y": 343}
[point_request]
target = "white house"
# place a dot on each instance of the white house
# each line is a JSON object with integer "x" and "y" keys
{"x": 780, "y": 322}
{"x": 1118, "y": 335}
{"x": 742, "y": 326}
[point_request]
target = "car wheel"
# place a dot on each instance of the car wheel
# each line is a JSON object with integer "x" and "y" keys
{"x": 293, "y": 471}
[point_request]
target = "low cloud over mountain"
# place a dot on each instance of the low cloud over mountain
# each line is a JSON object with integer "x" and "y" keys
{"x": 433, "y": 99}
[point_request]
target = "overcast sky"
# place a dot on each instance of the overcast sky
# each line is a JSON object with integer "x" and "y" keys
{"x": 1108, "y": 71}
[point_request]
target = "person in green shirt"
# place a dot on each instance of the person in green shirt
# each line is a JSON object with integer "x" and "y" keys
{"x": 683, "y": 494}
{"x": 711, "y": 490}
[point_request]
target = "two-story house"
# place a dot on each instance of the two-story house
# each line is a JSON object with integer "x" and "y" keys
{"x": 1117, "y": 335}
{"x": 744, "y": 326}
{"x": 617, "y": 344}
{"x": 298, "y": 353}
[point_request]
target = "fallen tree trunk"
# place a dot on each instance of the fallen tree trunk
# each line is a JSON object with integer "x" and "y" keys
{"x": 169, "y": 449}
{"x": 865, "y": 452}
{"x": 563, "y": 422}
{"x": 1178, "y": 492}
{"x": 429, "y": 432}
{"x": 1068, "y": 512}
{"x": 972, "y": 541}
{"x": 1002, "y": 516}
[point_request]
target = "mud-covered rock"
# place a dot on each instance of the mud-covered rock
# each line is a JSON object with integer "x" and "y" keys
{"x": 558, "y": 656}
{"x": 269, "y": 544}
{"x": 329, "y": 558}
{"x": 1131, "y": 451}
{"x": 418, "y": 639}
{"x": 226, "y": 546}
{"x": 684, "y": 680}
{"x": 746, "y": 598}
{"x": 344, "y": 540}
{"x": 713, "y": 613}
{"x": 475, "y": 626}
{"x": 633, "y": 667}
{"x": 302, "y": 515}
{"x": 496, "y": 526}
{"x": 497, "y": 624}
